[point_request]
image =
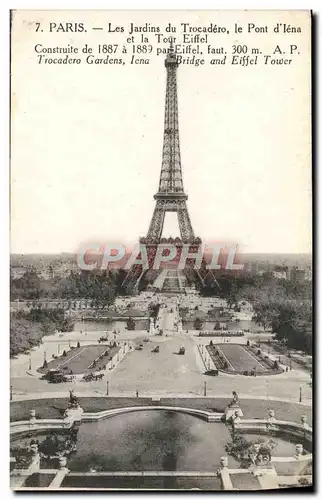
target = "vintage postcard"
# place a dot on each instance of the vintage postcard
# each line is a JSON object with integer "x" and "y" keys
{"x": 161, "y": 267}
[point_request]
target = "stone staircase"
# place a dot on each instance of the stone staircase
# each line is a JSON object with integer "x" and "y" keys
{"x": 173, "y": 283}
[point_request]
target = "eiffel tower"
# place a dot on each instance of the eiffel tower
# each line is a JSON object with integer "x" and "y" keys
{"x": 171, "y": 196}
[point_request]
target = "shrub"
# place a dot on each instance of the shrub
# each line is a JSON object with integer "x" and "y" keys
{"x": 248, "y": 343}
{"x": 78, "y": 344}
{"x": 258, "y": 352}
{"x": 130, "y": 324}
{"x": 197, "y": 324}
{"x": 64, "y": 353}
{"x": 246, "y": 372}
{"x": 304, "y": 481}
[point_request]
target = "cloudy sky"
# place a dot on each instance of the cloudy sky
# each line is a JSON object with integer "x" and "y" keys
{"x": 87, "y": 139}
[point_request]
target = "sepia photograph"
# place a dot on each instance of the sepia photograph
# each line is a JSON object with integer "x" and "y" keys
{"x": 161, "y": 250}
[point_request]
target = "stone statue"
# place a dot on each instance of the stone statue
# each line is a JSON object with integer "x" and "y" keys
{"x": 152, "y": 331}
{"x": 74, "y": 411}
{"x": 73, "y": 401}
{"x": 271, "y": 417}
{"x": 32, "y": 416}
{"x": 236, "y": 418}
{"x": 230, "y": 411}
{"x": 34, "y": 448}
{"x": 263, "y": 457}
{"x": 298, "y": 450}
{"x": 235, "y": 400}
{"x": 304, "y": 423}
{"x": 62, "y": 462}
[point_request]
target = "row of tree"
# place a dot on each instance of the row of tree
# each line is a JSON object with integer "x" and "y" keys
{"x": 27, "y": 329}
{"x": 101, "y": 286}
{"x": 279, "y": 304}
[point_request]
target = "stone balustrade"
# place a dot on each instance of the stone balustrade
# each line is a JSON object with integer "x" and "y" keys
{"x": 62, "y": 424}
{"x": 272, "y": 424}
{"x": 294, "y": 465}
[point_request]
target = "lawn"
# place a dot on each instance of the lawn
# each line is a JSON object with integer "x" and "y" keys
{"x": 79, "y": 359}
{"x": 240, "y": 358}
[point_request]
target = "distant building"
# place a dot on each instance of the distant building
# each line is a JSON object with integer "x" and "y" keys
{"x": 297, "y": 275}
{"x": 251, "y": 268}
{"x": 18, "y": 272}
{"x": 308, "y": 274}
{"x": 280, "y": 274}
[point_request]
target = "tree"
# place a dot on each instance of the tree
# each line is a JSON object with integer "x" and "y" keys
{"x": 130, "y": 324}
{"x": 293, "y": 325}
{"x": 154, "y": 310}
{"x": 197, "y": 324}
{"x": 28, "y": 328}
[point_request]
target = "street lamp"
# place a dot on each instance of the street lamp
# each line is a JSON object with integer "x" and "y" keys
{"x": 205, "y": 389}
{"x": 300, "y": 394}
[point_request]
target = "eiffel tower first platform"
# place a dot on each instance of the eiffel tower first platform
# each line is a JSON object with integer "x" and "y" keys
{"x": 171, "y": 196}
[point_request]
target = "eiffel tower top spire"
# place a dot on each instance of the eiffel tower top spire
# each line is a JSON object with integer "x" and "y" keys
{"x": 171, "y": 175}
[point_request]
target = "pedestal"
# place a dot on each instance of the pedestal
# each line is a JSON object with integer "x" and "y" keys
{"x": 74, "y": 414}
{"x": 230, "y": 411}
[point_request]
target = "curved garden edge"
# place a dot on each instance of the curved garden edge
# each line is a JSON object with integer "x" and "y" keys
{"x": 54, "y": 405}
